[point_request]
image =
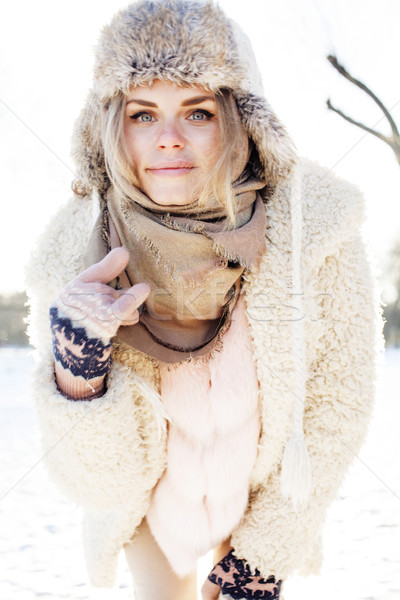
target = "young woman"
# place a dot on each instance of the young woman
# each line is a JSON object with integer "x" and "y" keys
{"x": 209, "y": 369}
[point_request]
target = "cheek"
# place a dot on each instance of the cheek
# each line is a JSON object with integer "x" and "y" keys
{"x": 133, "y": 145}
{"x": 207, "y": 143}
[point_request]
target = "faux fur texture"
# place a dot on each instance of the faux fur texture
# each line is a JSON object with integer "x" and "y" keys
{"x": 185, "y": 42}
{"x": 212, "y": 446}
{"x": 108, "y": 455}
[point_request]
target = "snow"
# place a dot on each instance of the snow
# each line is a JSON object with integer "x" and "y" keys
{"x": 41, "y": 553}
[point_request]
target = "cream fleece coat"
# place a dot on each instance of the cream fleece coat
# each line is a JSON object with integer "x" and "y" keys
{"x": 107, "y": 455}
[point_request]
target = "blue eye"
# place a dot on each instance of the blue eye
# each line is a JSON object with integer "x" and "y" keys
{"x": 142, "y": 117}
{"x": 198, "y": 116}
{"x": 201, "y": 115}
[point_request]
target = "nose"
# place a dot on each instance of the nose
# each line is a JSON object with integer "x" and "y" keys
{"x": 170, "y": 137}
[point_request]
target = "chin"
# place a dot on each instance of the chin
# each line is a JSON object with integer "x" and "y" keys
{"x": 177, "y": 198}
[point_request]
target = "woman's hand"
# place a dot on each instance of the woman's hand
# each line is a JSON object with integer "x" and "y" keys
{"x": 232, "y": 577}
{"x": 84, "y": 318}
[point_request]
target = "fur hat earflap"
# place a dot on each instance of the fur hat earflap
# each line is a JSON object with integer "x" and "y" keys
{"x": 187, "y": 42}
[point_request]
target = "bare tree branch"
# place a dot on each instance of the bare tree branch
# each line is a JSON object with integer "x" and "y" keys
{"x": 394, "y": 140}
{"x": 379, "y": 135}
{"x": 340, "y": 68}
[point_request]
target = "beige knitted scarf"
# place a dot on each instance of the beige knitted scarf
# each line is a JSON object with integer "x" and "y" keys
{"x": 192, "y": 261}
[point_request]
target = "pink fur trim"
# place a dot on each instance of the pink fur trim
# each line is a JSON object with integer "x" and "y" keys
{"x": 212, "y": 446}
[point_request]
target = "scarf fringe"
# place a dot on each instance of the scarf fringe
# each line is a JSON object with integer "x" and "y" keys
{"x": 204, "y": 358}
{"x": 220, "y": 250}
{"x": 217, "y": 247}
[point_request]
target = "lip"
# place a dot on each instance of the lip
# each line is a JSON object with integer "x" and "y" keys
{"x": 174, "y": 169}
{"x": 170, "y": 172}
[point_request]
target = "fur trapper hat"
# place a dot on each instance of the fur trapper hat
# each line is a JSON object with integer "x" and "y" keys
{"x": 185, "y": 42}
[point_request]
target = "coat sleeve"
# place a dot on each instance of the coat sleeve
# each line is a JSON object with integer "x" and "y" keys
{"x": 272, "y": 536}
{"x": 93, "y": 450}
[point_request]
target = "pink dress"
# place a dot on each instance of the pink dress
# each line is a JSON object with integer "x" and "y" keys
{"x": 212, "y": 447}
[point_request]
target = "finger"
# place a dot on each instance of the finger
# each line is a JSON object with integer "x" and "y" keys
{"x": 86, "y": 298}
{"x": 129, "y": 302}
{"x": 89, "y": 290}
{"x": 107, "y": 269}
{"x": 132, "y": 320}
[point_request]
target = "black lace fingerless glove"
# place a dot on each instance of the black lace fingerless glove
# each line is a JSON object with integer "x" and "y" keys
{"x": 236, "y": 580}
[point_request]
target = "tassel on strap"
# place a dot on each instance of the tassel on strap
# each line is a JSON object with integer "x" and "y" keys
{"x": 296, "y": 468}
{"x": 296, "y": 472}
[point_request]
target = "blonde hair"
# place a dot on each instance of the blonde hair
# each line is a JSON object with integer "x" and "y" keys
{"x": 232, "y": 136}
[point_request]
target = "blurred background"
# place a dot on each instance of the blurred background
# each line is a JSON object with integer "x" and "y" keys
{"x": 46, "y": 50}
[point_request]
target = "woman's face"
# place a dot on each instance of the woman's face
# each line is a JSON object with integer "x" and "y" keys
{"x": 171, "y": 134}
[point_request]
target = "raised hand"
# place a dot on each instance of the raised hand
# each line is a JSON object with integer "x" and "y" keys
{"x": 84, "y": 317}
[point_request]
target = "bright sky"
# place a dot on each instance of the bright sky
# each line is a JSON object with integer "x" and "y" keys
{"x": 47, "y": 55}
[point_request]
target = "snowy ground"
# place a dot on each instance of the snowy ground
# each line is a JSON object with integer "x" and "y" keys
{"x": 40, "y": 545}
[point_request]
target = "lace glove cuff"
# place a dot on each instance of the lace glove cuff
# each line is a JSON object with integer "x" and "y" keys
{"x": 73, "y": 348}
{"x": 236, "y": 580}
{"x": 87, "y": 358}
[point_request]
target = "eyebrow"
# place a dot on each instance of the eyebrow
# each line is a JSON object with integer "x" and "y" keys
{"x": 189, "y": 102}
